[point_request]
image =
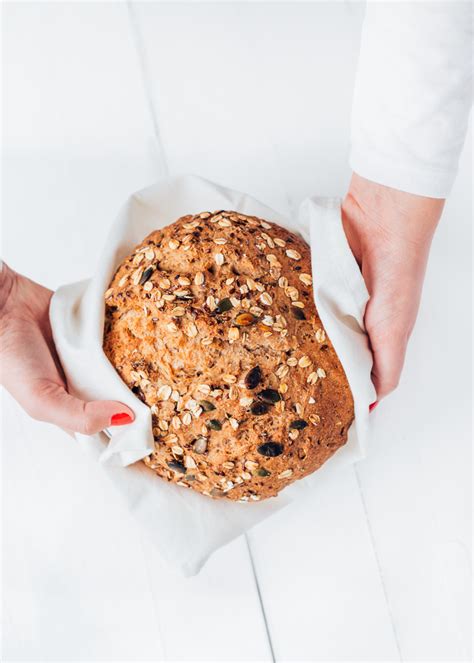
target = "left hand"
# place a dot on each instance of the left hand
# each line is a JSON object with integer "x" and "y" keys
{"x": 30, "y": 366}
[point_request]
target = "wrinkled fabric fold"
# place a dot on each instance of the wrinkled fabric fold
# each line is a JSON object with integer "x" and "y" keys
{"x": 185, "y": 526}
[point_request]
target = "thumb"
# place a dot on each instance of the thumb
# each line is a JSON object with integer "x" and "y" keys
{"x": 52, "y": 403}
{"x": 389, "y": 356}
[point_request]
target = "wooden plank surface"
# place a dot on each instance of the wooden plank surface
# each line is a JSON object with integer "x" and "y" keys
{"x": 101, "y": 99}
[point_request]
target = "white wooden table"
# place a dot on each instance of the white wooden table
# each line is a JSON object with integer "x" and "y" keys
{"x": 101, "y": 99}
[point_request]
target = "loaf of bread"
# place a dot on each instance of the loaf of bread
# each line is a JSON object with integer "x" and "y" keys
{"x": 211, "y": 322}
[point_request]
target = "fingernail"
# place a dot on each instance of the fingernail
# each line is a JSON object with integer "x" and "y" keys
{"x": 120, "y": 419}
{"x": 373, "y": 405}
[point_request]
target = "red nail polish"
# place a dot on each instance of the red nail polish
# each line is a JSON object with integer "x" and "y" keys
{"x": 120, "y": 419}
{"x": 373, "y": 405}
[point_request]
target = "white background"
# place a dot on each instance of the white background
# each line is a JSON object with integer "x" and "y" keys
{"x": 101, "y": 99}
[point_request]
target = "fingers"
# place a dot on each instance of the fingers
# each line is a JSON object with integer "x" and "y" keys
{"x": 30, "y": 374}
{"x": 388, "y": 351}
{"x": 30, "y": 369}
{"x": 49, "y": 401}
{"x": 389, "y": 319}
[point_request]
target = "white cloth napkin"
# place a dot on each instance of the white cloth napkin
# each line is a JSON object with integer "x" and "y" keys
{"x": 186, "y": 526}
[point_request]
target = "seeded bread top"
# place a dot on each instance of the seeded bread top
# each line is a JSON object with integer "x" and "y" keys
{"x": 211, "y": 321}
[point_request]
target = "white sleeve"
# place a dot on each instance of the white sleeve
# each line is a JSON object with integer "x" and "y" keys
{"x": 413, "y": 94}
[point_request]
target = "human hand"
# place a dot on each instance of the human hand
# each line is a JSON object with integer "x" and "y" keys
{"x": 390, "y": 233}
{"x": 29, "y": 365}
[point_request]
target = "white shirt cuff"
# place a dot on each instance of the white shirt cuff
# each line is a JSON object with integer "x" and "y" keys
{"x": 422, "y": 182}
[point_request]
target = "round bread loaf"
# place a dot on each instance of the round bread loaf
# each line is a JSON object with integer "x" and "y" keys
{"x": 211, "y": 322}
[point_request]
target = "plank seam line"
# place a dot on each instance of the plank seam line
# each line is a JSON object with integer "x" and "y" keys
{"x": 139, "y": 44}
{"x": 156, "y": 610}
{"x": 378, "y": 563}
{"x": 260, "y": 598}
{"x": 161, "y": 643}
{"x": 146, "y": 83}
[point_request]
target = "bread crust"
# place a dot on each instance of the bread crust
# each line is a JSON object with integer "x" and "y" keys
{"x": 211, "y": 322}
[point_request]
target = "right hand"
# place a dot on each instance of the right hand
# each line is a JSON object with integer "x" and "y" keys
{"x": 30, "y": 368}
{"x": 390, "y": 233}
